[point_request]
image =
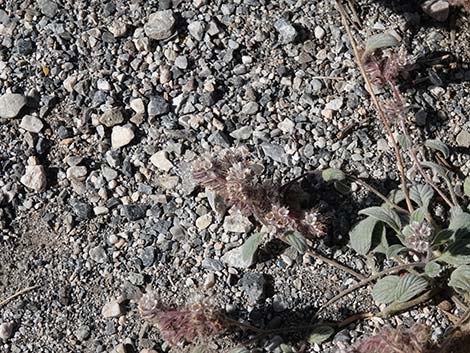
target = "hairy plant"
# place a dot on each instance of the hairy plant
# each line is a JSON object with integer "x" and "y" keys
{"x": 413, "y": 340}
{"x": 388, "y": 340}
{"x": 233, "y": 176}
{"x": 189, "y": 324}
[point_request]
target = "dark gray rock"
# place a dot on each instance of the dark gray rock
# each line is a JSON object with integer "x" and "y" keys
{"x": 134, "y": 212}
{"x": 158, "y": 106}
{"x": 253, "y": 285}
{"x": 81, "y": 209}
{"x": 148, "y": 256}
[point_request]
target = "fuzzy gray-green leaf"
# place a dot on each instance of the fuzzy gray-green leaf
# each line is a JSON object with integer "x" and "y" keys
{"x": 250, "y": 246}
{"x": 417, "y": 215}
{"x": 332, "y": 174}
{"x": 438, "y": 146}
{"x": 320, "y": 334}
{"x": 393, "y": 250}
{"x": 239, "y": 350}
{"x": 384, "y": 290}
{"x": 296, "y": 240}
{"x": 422, "y": 195}
{"x": 379, "y": 41}
{"x": 409, "y": 286}
{"x": 459, "y": 220}
{"x": 457, "y": 253}
{"x": 460, "y": 279}
{"x": 361, "y": 235}
{"x": 466, "y": 186}
{"x": 432, "y": 269}
{"x": 404, "y": 141}
{"x": 386, "y": 215}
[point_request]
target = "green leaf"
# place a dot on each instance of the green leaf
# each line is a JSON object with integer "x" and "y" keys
{"x": 296, "y": 240}
{"x": 394, "y": 250}
{"x": 460, "y": 279}
{"x": 383, "y": 245}
{"x": 438, "y": 145}
{"x": 466, "y": 186}
{"x": 361, "y": 235}
{"x": 417, "y": 215}
{"x": 332, "y": 174}
{"x": 442, "y": 237}
{"x": 404, "y": 141}
{"x": 384, "y": 290}
{"x": 396, "y": 196}
{"x": 436, "y": 168}
{"x": 407, "y": 231}
{"x": 250, "y": 246}
{"x": 409, "y": 286}
{"x": 459, "y": 220}
{"x": 457, "y": 253}
{"x": 385, "y": 215}
{"x": 320, "y": 334}
{"x": 342, "y": 187}
{"x": 432, "y": 269}
{"x": 422, "y": 195}
{"x": 285, "y": 348}
{"x": 239, "y": 350}
{"x": 379, "y": 41}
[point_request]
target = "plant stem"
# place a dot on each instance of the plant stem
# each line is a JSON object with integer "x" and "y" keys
{"x": 17, "y": 294}
{"x": 377, "y": 105}
{"x": 397, "y": 307}
{"x": 354, "y": 179}
{"x": 377, "y": 193}
{"x": 420, "y": 167}
{"x": 366, "y": 281}
{"x": 336, "y": 264}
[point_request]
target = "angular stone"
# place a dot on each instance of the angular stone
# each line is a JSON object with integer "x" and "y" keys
{"x": 160, "y": 160}
{"x": 158, "y": 106}
{"x": 253, "y": 285}
{"x": 250, "y": 108}
{"x": 31, "y": 123}
{"x": 204, "y": 221}
{"x": 287, "y": 32}
{"x": 137, "y": 105}
{"x": 134, "y": 212}
{"x": 98, "y": 254}
{"x": 121, "y": 136}
{"x": 463, "y": 138}
{"x": 77, "y": 173}
{"x": 237, "y": 223}
{"x": 34, "y": 178}
{"x": 48, "y": 7}
{"x": 437, "y": 9}
{"x": 111, "y": 309}
{"x": 235, "y": 258}
{"x": 111, "y": 117}
{"x": 160, "y": 25}
{"x": 11, "y": 105}
{"x": 242, "y": 133}
{"x": 196, "y": 29}
{"x": 6, "y": 330}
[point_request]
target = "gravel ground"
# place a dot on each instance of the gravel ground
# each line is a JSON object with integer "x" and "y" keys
{"x": 105, "y": 104}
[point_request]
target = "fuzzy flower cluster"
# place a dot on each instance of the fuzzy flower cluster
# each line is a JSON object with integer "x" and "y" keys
{"x": 389, "y": 340}
{"x": 383, "y": 69}
{"x": 190, "y": 324}
{"x": 233, "y": 176}
{"x": 420, "y": 236}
